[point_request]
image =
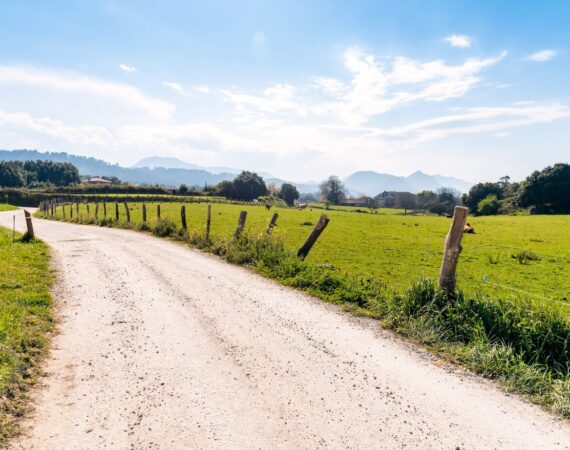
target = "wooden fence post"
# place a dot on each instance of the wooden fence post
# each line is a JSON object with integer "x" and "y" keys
{"x": 127, "y": 212}
{"x": 63, "y": 210}
{"x": 241, "y": 224}
{"x": 271, "y": 224}
{"x": 29, "y": 225}
{"x": 53, "y": 208}
{"x": 71, "y": 210}
{"x": 144, "y": 212}
{"x": 158, "y": 212}
{"x": 183, "y": 217}
{"x": 87, "y": 210}
{"x": 105, "y": 210}
{"x": 77, "y": 209}
{"x": 319, "y": 227}
{"x": 117, "y": 211}
{"x": 96, "y": 210}
{"x": 208, "y": 221}
{"x": 452, "y": 249}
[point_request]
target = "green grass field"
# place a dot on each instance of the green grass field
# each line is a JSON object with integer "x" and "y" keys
{"x": 6, "y": 207}
{"x": 25, "y": 318}
{"x": 508, "y": 257}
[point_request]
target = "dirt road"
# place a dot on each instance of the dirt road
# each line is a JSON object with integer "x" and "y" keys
{"x": 165, "y": 347}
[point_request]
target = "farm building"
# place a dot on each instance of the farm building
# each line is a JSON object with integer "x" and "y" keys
{"x": 360, "y": 201}
{"x": 97, "y": 180}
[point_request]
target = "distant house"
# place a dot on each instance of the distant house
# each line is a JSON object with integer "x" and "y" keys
{"x": 97, "y": 180}
{"x": 360, "y": 201}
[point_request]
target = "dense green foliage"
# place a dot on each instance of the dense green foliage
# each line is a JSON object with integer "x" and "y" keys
{"x": 288, "y": 193}
{"x": 246, "y": 186}
{"x": 545, "y": 191}
{"x": 37, "y": 173}
{"x": 488, "y": 206}
{"x": 25, "y": 318}
{"x": 548, "y": 190}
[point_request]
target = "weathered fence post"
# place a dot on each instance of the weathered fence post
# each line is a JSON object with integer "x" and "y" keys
{"x": 271, "y": 224}
{"x": 183, "y": 216}
{"x": 71, "y": 210}
{"x": 117, "y": 211}
{"x": 208, "y": 221}
{"x": 105, "y": 210}
{"x": 29, "y": 225}
{"x": 319, "y": 227}
{"x": 53, "y": 208}
{"x": 96, "y": 210}
{"x": 144, "y": 212}
{"x": 452, "y": 249}
{"x": 241, "y": 224}
{"x": 127, "y": 212}
{"x": 77, "y": 209}
{"x": 87, "y": 205}
{"x": 63, "y": 210}
{"x": 158, "y": 212}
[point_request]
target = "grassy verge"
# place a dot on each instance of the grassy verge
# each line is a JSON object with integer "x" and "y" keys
{"x": 525, "y": 346}
{"x": 25, "y": 320}
{"x": 6, "y": 207}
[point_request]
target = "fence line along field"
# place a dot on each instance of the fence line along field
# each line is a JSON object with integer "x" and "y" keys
{"x": 507, "y": 257}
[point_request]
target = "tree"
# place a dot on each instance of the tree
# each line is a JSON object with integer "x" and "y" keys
{"x": 246, "y": 186}
{"x": 183, "y": 189}
{"x": 548, "y": 189}
{"x": 226, "y": 189}
{"x": 405, "y": 201}
{"x": 489, "y": 206}
{"x": 426, "y": 198}
{"x": 479, "y": 192}
{"x": 12, "y": 174}
{"x": 332, "y": 190}
{"x": 289, "y": 193}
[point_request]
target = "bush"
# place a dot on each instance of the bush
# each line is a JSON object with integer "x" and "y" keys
{"x": 164, "y": 227}
{"x": 489, "y": 206}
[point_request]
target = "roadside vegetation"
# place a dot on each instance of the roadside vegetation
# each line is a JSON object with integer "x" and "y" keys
{"x": 514, "y": 332}
{"x": 25, "y": 322}
{"x": 6, "y": 207}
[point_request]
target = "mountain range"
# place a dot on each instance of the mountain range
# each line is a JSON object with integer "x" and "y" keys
{"x": 173, "y": 172}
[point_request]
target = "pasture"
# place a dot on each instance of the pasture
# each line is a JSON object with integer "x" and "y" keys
{"x": 508, "y": 257}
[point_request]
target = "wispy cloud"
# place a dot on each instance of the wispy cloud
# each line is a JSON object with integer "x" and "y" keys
{"x": 476, "y": 120}
{"x": 176, "y": 87}
{"x": 203, "y": 88}
{"x": 127, "y": 68}
{"x": 458, "y": 40}
{"x": 541, "y": 56}
{"x": 74, "y": 83}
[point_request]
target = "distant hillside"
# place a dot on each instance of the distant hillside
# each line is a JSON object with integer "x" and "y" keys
{"x": 153, "y": 162}
{"x": 373, "y": 183}
{"x": 174, "y": 172}
{"x": 141, "y": 175}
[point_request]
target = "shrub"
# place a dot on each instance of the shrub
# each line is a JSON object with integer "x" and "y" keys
{"x": 489, "y": 206}
{"x": 164, "y": 227}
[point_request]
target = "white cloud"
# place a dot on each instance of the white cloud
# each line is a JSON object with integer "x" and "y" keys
{"x": 541, "y": 56}
{"x": 458, "y": 40}
{"x": 176, "y": 87}
{"x": 78, "y": 89}
{"x": 476, "y": 120}
{"x": 203, "y": 88}
{"x": 127, "y": 68}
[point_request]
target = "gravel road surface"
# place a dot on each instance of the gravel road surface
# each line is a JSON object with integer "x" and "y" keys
{"x": 164, "y": 347}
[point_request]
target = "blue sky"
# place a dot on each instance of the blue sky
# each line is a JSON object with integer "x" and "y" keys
{"x": 299, "y": 89}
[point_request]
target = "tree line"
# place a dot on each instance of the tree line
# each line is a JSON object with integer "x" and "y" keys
{"x": 544, "y": 191}
{"x": 16, "y": 174}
